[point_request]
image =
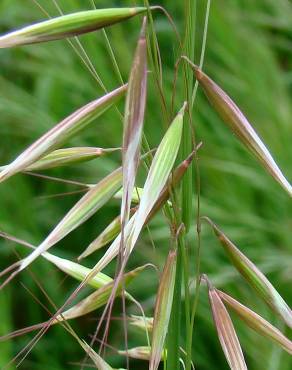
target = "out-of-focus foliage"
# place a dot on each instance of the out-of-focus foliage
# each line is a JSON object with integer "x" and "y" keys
{"x": 249, "y": 53}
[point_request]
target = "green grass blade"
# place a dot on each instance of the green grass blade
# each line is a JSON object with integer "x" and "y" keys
{"x": 67, "y": 26}
{"x": 63, "y": 131}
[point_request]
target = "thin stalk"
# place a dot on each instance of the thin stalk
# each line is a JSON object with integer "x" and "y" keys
{"x": 198, "y": 188}
{"x": 182, "y": 263}
{"x": 173, "y": 340}
{"x": 186, "y": 271}
{"x": 182, "y": 276}
{"x": 198, "y": 179}
{"x": 186, "y": 190}
{"x": 199, "y": 244}
{"x": 112, "y": 56}
{"x": 154, "y": 55}
{"x": 188, "y": 142}
{"x": 85, "y": 60}
{"x": 188, "y": 134}
{"x": 204, "y": 42}
{"x": 110, "y": 49}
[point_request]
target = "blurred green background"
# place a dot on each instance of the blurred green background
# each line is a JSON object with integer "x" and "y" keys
{"x": 249, "y": 53}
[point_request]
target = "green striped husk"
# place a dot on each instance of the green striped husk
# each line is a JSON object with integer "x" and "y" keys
{"x": 67, "y": 26}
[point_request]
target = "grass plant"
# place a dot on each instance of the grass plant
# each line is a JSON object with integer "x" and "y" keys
{"x": 129, "y": 227}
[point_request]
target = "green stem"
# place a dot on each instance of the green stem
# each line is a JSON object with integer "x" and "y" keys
{"x": 153, "y": 52}
{"x": 188, "y": 134}
{"x": 188, "y": 344}
{"x": 175, "y": 318}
